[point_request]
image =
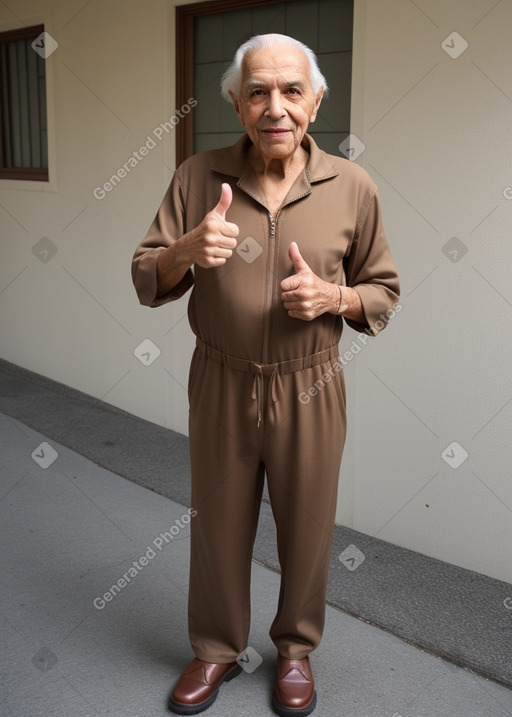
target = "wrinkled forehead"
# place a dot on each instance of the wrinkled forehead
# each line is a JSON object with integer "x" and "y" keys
{"x": 281, "y": 65}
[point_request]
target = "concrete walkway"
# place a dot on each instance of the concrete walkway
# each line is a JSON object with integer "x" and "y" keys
{"x": 72, "y": 646}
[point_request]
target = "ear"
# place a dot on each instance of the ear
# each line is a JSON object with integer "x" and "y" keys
{"x": 238, "y": 109}
{"x": 318, "y": 99}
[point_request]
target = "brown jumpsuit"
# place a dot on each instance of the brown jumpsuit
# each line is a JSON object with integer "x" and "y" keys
{"x": 252, "y": 364}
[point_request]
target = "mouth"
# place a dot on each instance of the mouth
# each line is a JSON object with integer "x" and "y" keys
{"x": 276, "y": 132}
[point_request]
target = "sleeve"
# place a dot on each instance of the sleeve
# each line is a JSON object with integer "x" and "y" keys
{"x": 370, "y": 269}
{"x": 167, "y": 227}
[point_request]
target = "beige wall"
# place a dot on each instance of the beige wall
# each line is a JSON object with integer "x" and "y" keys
{"x": 438, "y": 143}
{"x": 437, "y": 135}
{"x": 76, "y": 318}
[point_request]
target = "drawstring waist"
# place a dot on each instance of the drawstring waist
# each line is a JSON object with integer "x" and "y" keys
{"x": 260, "y": 370}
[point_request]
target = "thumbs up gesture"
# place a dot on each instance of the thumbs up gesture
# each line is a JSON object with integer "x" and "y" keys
{"x": 305, "y": 296}
{"x": 212, "y": 242}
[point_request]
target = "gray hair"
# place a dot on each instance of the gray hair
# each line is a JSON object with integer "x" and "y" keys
{"x": 232, "y": 76}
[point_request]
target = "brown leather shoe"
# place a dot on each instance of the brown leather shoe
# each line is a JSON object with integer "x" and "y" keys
{"x": 295, "y": 694}
{"x": 198, "y": 686}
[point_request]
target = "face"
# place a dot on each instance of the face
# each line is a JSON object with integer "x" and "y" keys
{"x": 276, "y": 102}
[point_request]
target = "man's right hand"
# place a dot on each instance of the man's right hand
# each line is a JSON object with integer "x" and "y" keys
{"x": 212, "y": 242}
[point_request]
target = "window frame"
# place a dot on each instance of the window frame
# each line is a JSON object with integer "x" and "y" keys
{"x": 185, "y": 15}
{"x": 37, "y": 174}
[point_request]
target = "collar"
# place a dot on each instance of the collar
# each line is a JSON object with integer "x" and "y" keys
{"x": 233, "y": 162}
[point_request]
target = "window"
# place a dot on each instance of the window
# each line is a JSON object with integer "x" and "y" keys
{"x": 209, "y": 33}
{"x": 23, "y": 125}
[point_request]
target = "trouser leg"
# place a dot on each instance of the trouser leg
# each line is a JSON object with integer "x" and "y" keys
{"x": 227, "y": 482}
{"x": 302, "y": 454}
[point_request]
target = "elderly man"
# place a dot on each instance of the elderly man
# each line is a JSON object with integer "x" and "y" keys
{"x": 294, "y": 245}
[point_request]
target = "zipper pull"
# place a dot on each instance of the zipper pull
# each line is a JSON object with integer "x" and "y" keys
{"x": 272, "y": 225}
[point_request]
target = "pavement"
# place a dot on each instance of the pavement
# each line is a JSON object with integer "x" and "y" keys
{"x": 73, "y": 645}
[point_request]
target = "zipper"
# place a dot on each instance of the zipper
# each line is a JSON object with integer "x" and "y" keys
{"x": 272, "y": 274}
{"x": 269, "y": 288}
{"x": 269, "y": 298}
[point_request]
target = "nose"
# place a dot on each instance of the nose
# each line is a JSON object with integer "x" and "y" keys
{"x": 275, "y": 109}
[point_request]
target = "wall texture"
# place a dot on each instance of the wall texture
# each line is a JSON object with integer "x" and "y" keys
{"x": 436, "y": 117}
{"x": 427, "y": 458}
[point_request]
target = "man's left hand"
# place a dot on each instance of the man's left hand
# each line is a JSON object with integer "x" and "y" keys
{"x": 305, "y": 296}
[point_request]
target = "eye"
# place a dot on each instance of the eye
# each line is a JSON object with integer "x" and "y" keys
{"x": 293, "y": 91}
{"x": 256, "y": 93}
